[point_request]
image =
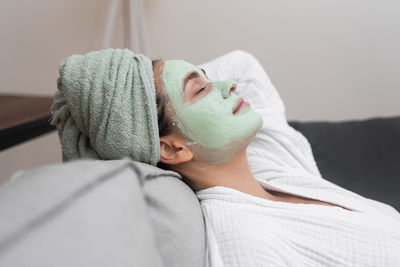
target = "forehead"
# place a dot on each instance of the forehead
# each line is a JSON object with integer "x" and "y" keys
{"x": 175, "y": 69}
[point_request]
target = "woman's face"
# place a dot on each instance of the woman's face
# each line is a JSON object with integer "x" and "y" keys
{"x": 203, "y": 111}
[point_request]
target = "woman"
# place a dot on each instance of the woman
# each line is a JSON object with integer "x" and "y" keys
{"x": 263, "y": 198}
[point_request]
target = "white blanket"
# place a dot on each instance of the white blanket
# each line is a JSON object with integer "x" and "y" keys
{"x": 244, "y": 230}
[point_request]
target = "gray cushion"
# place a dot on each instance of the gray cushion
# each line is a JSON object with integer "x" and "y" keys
{"x": 178, "y": 222}
{"x": 100, "y": 213}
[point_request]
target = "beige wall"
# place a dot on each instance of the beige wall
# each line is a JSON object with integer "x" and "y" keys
{"x": 329, "y": 60}
{"x": 37, "y": 35}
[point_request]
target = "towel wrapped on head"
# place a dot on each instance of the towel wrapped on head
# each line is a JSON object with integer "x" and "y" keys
{"x": 105, "y": 107}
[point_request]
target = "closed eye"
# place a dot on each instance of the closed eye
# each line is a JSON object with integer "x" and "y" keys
{"x": 198, "y": 92}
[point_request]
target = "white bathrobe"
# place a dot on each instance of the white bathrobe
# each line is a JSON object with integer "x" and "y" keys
{"x": 248, "y": 231}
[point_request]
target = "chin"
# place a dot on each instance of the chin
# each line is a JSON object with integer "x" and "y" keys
{"x": 223, "y": 154}
{"x": 243, "y": 142}
{"x": 218, "y": 156}
{"x": 257, "y": 124}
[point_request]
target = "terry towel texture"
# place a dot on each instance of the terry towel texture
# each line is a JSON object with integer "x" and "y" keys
{"x": 244, "y": 230}
{"x": 105, "y": 107}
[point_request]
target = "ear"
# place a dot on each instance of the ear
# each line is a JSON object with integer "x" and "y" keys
{"x": 173, "y": 150}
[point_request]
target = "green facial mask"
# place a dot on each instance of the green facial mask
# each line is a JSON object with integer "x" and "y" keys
{"x": 215, "y": 133}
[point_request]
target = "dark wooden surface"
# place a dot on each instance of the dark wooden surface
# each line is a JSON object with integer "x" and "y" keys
{"x": 22, "y": 118}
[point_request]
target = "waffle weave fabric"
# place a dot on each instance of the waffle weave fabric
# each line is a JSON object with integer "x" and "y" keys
{"x": 244, "y": 230}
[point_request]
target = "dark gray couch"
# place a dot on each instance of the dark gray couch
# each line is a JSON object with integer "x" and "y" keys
{"x": 362, "y": 156}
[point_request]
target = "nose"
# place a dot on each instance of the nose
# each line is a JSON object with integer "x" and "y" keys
{"x": 233, "y": 88}
{"x": 226, "y": 88}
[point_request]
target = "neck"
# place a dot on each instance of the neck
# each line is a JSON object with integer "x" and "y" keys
{"x": 234, "y": 174}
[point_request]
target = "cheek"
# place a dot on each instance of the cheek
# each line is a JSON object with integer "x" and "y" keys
{"x": 206, "y": 118}
{"x": 211, "y": 109}
{"x": 215, "y": 104}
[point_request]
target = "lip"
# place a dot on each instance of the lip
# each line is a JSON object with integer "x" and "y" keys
{"x": 240, "y": 103}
